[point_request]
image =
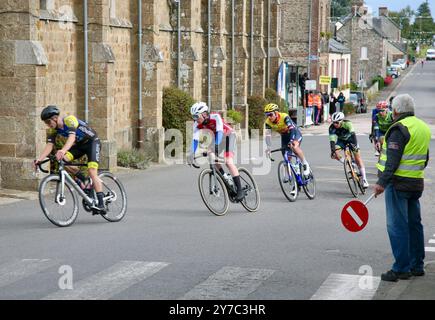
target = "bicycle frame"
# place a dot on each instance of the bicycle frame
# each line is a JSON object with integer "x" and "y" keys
{"x": 349, "y": 155}
{"x": 288, "y": 155}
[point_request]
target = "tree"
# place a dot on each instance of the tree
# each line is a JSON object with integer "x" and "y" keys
{"x": 403, "y": 19}
{"x": 340, "y": 8}
{"x": 423, "y": 27}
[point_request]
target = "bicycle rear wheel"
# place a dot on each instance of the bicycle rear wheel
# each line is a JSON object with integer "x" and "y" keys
{"x": 62, "y": 212}
{"x": 349, "y": 172}
{"x": 251, "y": 202}
{"x": 115, "y": 197}
{"x": 309, "y": 185}
{"x": 213, "y": 192}
{"x": 287, "y": 181}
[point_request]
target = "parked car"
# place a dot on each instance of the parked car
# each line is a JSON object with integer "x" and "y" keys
{"x": 358, "y": 99}
{"x": 430, "y": 54}
{"x": 402, "y": 63}
{"x": 393, "y": 72}
{"x": 398, "y": 65}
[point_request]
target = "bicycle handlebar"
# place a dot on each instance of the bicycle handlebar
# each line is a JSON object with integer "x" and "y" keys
{"x": 53, "y": 158}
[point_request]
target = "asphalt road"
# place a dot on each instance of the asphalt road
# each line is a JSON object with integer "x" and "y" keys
{"x": 169, "y": 246}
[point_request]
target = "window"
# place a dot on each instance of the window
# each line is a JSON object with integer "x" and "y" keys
{"x": 112, "y": 9}
{"x": 46, "y": 4}
{"x": 363, "y": 53}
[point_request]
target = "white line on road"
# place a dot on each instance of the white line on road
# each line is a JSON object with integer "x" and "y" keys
{"x": 109, "y": 282}
{"x": 17, "y": 270}
{"x": 229, "y": 283}
{"x": 347, "y": 287}
{"x": 432, "y": 241}
{"x": 429, "y": 249}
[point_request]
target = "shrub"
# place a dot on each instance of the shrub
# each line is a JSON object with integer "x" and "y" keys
{"x": 236, "y": 116}
{"x": 348, "y": 108}
{"x": 256, "y": 115}
{"x": 272, "y": 96}
{"x": 133, "y": 158}
{"x": 353, "y": 86}
{"x": 176, "y": 110}
{"x": 380, "y": 81}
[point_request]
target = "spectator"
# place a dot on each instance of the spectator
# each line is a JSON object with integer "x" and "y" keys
{"x": 341, "y": 99}
{"x": 332, "y": 102}
{"x": 302, "y": 80}
{"x": 317, "y": 105}
{"x": 405, "y": 154}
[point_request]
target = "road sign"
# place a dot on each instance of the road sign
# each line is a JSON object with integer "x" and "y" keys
{"x": 354, "y": 216}
{"x": 325, "y": 80}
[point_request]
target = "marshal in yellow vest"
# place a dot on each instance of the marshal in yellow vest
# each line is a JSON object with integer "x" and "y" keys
{"x": 415, "y": 152}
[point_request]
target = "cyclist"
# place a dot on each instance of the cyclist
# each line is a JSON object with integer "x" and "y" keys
{"x": 341, "y": 133}
{"x": 81, "y": 140}
{"x": 375, "y": 111}
{"x": 291, "y": 137}
{"x": 383, "y": 120}
{"x": 224, "y": 137}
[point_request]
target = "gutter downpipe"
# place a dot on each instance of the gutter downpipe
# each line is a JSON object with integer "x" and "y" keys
{"x": 268, "y": 44}
{"x": 309, "y": 40}
{"x": 208, "y": 54}
{"x": 140, "y": 128}
{"x": 179, "y": 45}
{"x": 232, "y": 53}
{"x": 251, "y": 85}
{"x": 85, "y": 31}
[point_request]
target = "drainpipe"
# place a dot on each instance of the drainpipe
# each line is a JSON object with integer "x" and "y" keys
{"x": 268, "y": 44}
{"x": 179, "y": 45}
{"x": 85, "y": 31}
{"x": 140, "y": 127}
{"x": 251, "y": 89}
{"x": 309, "y": 40}
{"x": 232, "y": 53}
{"x": 209, "y": 54}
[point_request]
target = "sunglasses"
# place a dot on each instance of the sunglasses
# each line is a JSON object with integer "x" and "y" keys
{"x": 48, "y": 121}
{"x": 269, "y": 114}
{"x": 336, "y": 122}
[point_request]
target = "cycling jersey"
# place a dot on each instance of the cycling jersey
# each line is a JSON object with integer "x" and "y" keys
{"x": 283, "y": 124}
{"x": 220, "y": 128}
{"x": 343, "y": 133}
{"x": 382, "y": 123}
{"x": 72, "y": 125}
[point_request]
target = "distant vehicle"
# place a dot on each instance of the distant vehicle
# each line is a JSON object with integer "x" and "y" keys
{"x": 396, "y": 65}
{"x": 401, "y": 63}
{"x": 430, "y": 54}
{"x": 362, "y": 101}
{"x": 393, "y": 72}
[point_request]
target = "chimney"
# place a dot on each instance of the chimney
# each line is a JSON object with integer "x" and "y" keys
{"x": 383, "y": 11}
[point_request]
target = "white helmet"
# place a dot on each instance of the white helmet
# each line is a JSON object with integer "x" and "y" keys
{"x": 198, "y": 108}
{"x": 337, "y": 116}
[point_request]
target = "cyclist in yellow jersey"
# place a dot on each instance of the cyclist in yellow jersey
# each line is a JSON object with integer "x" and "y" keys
{"x": 291, "y": 137}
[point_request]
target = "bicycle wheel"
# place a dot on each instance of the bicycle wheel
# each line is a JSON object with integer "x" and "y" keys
{"x": 309, "y": 185}
{"x": 62, "y": 212}
{"x": 349, "y": 172}
{"x": 251, "y": 202}
{"x": 115, "y": 197}
{"x": 215, "y": 196}
{"x": 287, "y": 181}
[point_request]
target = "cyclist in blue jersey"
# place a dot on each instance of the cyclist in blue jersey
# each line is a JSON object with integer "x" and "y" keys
{"x": 81, "y": 140}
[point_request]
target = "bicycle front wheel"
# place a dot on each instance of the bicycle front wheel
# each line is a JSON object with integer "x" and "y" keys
{"x": 309, "y": 185}
{"x": 251, "y": 201}
{"x": 61, "y": 210}
{"x": 287, "y": 181}
{"x": 115, "y": 197}
{"x": 213, "y": 192}
{"x": 350, "y": 177}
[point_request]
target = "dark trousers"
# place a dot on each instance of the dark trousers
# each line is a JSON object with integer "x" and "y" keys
{"x": 317, "y": 115}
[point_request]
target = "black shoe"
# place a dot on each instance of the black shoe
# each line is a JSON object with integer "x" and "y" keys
{"x": 395, "y": 276}
{"x": 100, "y": 209}
{"x": 240, "y": 195}
{"x": 417, "y": 273}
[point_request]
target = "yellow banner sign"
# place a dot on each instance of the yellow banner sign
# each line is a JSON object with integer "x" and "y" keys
{"x": 325, "y": 80}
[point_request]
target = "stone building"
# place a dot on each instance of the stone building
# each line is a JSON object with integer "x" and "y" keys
{"x": 219, "y": 51}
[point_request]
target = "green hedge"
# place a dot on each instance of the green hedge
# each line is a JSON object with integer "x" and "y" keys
{"x": 348, "y": 108}
{"x": 133, "y": 158}
{"x": 256, "y": 107}
{"x": 380, "y": 81}
{"x": 176, "y": 110}
{"x": 236, "y": 116}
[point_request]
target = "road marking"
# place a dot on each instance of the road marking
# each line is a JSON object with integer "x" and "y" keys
{"x": 355, "y": 216}
{"x": 109, "y": 282}
{"x": 429, "y": 249}
{"x": 346, "y": 287}
{"x": 432, "y": 241}
{"x": 18, "y": 270}
{"x": 229, "y": 283}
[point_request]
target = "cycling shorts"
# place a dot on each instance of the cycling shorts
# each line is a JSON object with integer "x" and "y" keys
{"x": 286, "y": 139}
{"x": 228, "y": 145}
{"x": 340, "y": 144}
{"x": 91, "y": 148}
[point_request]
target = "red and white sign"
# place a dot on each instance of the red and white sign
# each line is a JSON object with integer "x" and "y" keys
{"x": 354, "y": 216}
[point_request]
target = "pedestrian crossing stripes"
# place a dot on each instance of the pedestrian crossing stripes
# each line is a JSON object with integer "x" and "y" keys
{"x": 107, "y": 283}
{"x": 229, "y": 283}
{"x": 347, "y": 287}
{"x": 18, "y": 270}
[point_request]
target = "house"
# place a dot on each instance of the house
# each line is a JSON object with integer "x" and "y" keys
{"x": 339, "y": 66}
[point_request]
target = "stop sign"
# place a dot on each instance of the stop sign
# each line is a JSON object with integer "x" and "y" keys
{"x": 354, "y": 216}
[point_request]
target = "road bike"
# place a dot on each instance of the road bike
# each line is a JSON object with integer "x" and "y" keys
{"x": 351, "y": 170}
{"x": 218, "y": 190}
{"x": 58, "y": 195}
{"x": 291, "y": 177}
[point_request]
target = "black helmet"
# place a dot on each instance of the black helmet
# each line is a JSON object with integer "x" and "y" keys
{"x": 48, "y": 112}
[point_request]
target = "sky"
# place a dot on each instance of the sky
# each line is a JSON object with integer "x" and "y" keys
{"x": 397, "y": 5}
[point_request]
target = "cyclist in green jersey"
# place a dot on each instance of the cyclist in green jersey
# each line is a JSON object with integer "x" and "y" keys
{"x": 341, "y": 133}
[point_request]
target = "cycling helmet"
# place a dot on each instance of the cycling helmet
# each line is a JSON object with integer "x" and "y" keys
{"x": 198, "y": 108}
{"x": 382, "y": 105}
{"x": 49, "y": 112}
{"x": 337, "y": 117}
{"x": 271, "y": 107}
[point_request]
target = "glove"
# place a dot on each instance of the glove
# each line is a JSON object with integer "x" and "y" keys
{"x": 333, "y": 155}
{"x": 35, "y": 164}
